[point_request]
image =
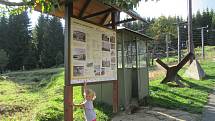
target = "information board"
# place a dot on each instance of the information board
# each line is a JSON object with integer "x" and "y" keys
{"x": 93, "y": 50}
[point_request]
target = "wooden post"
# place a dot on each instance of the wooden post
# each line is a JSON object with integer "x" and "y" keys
{"x": 68, "y": 88}
{"x": 179, "y": 43}
{"x": 202, "y": 36}
{"x": 115, "y": 82}
{"x": 115, "y": 96}
{"x": 167, "y": 47}
{"x": 202, "y": 40}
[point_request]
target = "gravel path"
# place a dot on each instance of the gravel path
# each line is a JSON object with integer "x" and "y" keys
{"x": 157, "y": 114}
{"x": 209, "y": 109}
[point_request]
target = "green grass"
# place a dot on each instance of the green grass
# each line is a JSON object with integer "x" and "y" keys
{"x": 38, "y": 96}
{"x": 191, "y": 98}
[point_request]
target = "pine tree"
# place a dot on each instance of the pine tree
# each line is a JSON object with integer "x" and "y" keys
{"x": 18, "y": 40}
{"x": 40, "y": 36}
{"x": 3, "y": 60}
{"x": 3, "y": 32}
{"x": 53, "y": 43}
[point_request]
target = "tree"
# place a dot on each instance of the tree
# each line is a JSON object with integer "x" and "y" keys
{"x": 163, "y": 25}
{"x": 30, "y": 60}
{"x": 59, "y": 58}
{"x": 18, "y": 40}
{"x": 3, "y": 60}
{"x": 3, "y": 32}
{"x": 50, "y": 40}
{"x": 39, "y": 38}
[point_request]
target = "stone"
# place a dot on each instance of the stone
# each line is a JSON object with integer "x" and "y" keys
{"x": 195, "y": 71}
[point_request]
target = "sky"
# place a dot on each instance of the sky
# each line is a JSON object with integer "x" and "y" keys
{"x": 171, "y": 7}
{"x": 162, "y": 7}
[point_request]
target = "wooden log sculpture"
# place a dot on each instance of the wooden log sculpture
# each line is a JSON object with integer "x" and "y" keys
{"x": 172, "y": 72}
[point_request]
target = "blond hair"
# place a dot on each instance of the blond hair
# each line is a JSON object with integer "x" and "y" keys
{"x": 91, "y": 93}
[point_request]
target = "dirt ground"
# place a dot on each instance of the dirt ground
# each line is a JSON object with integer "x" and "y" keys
{"x": 158, "y": 71}
{"x": 157, "y": 114}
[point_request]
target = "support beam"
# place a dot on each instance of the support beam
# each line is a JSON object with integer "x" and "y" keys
{"x": 104, "y": 19}
{"x": 115, "y": 82}
{"x": 123, "y": 21}
{"x": 68, "y": 89}
{"x": 96, "y": 14}
{"x": 190, "y": 33}
{"x": 84, "y": 8}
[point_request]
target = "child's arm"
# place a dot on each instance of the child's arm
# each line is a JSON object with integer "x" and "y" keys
{"x": 85, "y": 86}
{"x": 81, "y": 105}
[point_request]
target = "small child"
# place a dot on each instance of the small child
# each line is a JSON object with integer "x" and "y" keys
{"x": 89, "y": 95}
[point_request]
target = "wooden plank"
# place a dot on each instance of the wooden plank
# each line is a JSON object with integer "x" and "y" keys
{"x": 97, "y": 13}
{"x": 84, "y": 8}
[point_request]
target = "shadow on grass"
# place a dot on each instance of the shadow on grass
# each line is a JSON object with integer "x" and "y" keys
{"x": 176, "y": 94}
{"x": 197, "y": 86}
{"x": 210, "y": 77}
{"x": 172, "y": 99}
{"x": 172, "y": 103}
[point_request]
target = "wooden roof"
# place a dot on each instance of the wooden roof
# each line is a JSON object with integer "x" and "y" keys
{"x": 144, "y": 36}
{"x": 93, "y": 11}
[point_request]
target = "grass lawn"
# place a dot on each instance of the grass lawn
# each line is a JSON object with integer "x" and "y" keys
{"x": 192, "y": 98}
{"x": 38, "y": 96}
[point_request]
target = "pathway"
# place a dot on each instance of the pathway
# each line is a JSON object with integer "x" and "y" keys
{"x": 209, "y": 109}
{"x": 157, "y": 114}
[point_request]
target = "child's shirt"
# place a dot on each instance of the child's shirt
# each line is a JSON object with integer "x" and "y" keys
{"x": 90, "y": 114}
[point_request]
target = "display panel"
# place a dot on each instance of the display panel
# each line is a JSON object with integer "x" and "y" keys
{"x": 93, "y": 50}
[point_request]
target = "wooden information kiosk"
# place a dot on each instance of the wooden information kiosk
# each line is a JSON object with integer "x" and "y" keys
{"x": 90, "y": 37}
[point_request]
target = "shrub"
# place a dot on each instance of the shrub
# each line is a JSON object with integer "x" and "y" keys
{"x": 50, "y": 111}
